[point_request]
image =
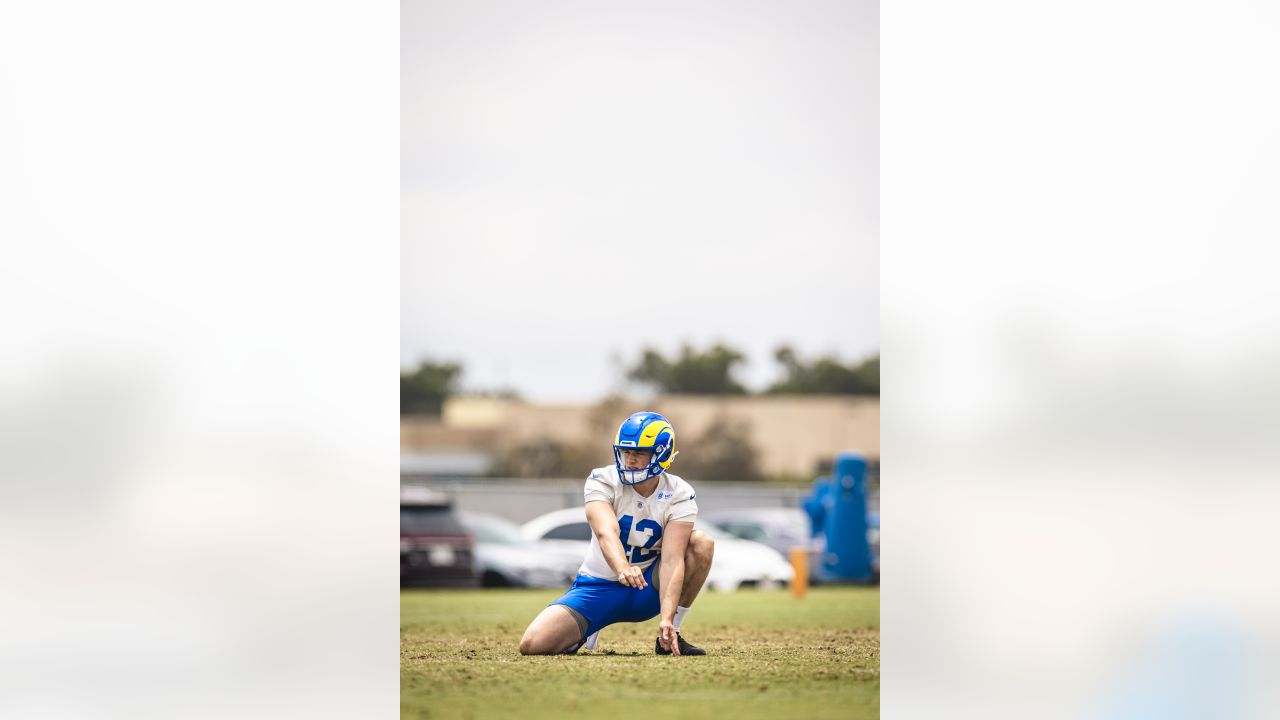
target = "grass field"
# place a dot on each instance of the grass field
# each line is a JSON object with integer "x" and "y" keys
{"x": 769, "y": 656}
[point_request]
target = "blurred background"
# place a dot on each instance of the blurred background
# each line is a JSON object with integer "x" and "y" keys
{"x": 671, "y": 208}
{"x": 492, "y": 483}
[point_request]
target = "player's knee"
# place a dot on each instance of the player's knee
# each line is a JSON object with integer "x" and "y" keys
{"x": 701, "y": 547}
{"x": 529, "y": 646}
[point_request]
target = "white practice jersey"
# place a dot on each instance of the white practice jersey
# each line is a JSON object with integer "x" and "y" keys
{"x": 641, "y": 520}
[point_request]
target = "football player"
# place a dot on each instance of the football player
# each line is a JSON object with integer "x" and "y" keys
{"x": 645, "y": 558}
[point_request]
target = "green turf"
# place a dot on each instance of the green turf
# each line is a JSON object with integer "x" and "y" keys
{"x": 770, "y": 656}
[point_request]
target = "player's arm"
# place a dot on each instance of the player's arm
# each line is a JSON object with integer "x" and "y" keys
{"x": 675, "y": 539}
{"x": 604, "y": 523}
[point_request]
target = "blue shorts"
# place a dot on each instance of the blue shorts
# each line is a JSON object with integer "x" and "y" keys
{"x": 605, "y": 602}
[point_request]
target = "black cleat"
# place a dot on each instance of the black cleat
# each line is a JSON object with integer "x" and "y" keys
{"x": 685, "y": 648}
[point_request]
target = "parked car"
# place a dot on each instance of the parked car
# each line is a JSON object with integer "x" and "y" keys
{"x": 779, "y": 528}
{"x": 505, "y": 558}
{"x": 737, "y": 562}
{"x": 435, "y": 549}
{"x": 786, "y": 528}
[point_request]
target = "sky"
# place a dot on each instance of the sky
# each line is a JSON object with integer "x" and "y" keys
{"x": 582, "y": 180}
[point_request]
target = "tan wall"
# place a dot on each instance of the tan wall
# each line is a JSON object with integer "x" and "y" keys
{"x": 792, "y": 432}
{"x": 432, "y": 434}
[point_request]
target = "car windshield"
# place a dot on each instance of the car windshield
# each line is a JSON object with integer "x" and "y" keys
{"x": 493, "y": 530}
{"x": 570, "y": 531}
{"x": 746, "y": 530}
{"x": 429, "y": 519}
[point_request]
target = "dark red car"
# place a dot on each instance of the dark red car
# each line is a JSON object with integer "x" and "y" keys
{"x": 435, "y": 549}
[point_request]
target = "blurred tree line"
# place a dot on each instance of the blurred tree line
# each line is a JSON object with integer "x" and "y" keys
{"x": 724, "y": 449}
{"x": 423, "y": 389}
{"x": 708, "y": 372}
{"x": 711, "y": 372}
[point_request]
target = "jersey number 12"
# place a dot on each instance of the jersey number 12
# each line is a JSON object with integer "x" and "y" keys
{"x": 639, "y": 553}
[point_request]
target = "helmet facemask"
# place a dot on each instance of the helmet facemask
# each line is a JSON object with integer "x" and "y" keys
{"x": 638, "y": 475}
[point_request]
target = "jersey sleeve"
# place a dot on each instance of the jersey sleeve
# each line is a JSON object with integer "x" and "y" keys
{"x": 597, "y": 489}
{"x": 683, "y": 508}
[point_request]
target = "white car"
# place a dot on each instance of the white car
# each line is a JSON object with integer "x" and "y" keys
{"x": 504, "y": 558}
{"x": 737, "y": 562}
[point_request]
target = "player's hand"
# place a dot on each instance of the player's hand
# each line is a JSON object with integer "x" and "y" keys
{"x": 667, "y": 636}
{"x": 632, "y": 577}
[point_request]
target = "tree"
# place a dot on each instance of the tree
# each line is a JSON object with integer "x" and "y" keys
{"x": 547, "y": 458}
{"x": 424, "y": 389}
{"x": 722, "y": 452}
{"x": 707, "y": 372}
{"x": 826, "y": 375}
{"x": 539, "y": 458}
